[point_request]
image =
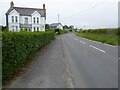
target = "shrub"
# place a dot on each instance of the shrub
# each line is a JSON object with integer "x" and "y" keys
{"x": 59, "y": 31}
{"x": 17, "y": 47}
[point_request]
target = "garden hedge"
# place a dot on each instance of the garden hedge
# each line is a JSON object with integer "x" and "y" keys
{"x": 17, "y": 47}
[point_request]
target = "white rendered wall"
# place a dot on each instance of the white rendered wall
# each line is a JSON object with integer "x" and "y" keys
{"x": 10, "y": 23}
{"x": 60, "y": 26}
{"x": 22, "y": 19}
{"x": 36, "y": 15}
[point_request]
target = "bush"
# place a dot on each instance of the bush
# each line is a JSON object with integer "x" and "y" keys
{"x": 17, "y": 47}
{"x": 59, "y": 31}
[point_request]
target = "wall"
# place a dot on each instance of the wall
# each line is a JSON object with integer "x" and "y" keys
{"x": 36, "y": 15}
{"x": 60, "y": 26}
{"x": 22, "y": 19}
{"x": 13, "y": 13}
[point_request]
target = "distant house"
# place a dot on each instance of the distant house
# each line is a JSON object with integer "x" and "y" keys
{"x": 55, "y": 25}
{"x": 30, "y": 19}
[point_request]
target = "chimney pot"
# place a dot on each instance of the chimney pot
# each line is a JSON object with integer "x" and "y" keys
{"x": 11, "y": 4}
{"x": 43, "y": 6}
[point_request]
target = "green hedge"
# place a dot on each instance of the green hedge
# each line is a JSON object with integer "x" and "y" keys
{"x": 17, "y": 47}
{"x": 102, "y": 31}
{"x": 59, "y": 31}
{"x": 109, "y": 36}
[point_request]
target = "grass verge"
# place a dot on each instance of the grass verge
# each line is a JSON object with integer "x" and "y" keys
{"x": 104, "y": 38}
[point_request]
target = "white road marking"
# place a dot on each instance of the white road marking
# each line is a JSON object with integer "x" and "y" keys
{"x": 97, "y": 42}
{"x": 76, "y": 39}
{"x": 97, "y": 49}
{"x": 109, "y": 45}
{"x": 82, "y": 42}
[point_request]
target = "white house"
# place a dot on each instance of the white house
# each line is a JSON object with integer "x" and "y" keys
{"x": 30, "y": 19}
{"x": 55, "y": 25}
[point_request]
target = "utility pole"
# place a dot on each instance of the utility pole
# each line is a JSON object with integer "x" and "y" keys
{"x": 58, "y": 18}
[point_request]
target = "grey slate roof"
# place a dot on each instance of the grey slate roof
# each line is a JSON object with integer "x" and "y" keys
{"x": 55, "y": 24}
{"x": 28, "y": 11}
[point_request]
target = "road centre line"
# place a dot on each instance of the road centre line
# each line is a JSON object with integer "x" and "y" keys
{"x": 97, "y": 49}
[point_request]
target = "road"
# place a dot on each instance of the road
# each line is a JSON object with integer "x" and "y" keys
{"x": 92, "y": 64}
{"x": 72, "y": 62}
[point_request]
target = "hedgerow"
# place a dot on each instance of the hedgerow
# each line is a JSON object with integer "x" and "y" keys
{"x": 109, "y": 36}
{"x": 17, "y": 47}
{"x": 102, "y": 31}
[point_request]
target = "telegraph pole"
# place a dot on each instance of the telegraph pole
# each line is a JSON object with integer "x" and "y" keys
{"x": 58, "y": 18}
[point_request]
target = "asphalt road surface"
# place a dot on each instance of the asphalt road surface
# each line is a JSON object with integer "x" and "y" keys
{"x": 92, "y": 64}
{"x": 72, "y": 62}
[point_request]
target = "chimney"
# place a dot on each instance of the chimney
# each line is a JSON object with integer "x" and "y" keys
{"x": 11, "y": 4}
{"x": 44, "y": 10}
{"x": 43, "y": 6}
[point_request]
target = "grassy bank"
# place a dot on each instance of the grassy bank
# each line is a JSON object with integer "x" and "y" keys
{"x": 17, "y": 47}
{"x": 101, "y": 35}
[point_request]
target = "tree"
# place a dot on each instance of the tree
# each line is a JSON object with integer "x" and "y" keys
{"x": 71, "y": 27}
{"x": 47, "y": 26}
{"x": 4, "y": 28}
{"x": 65, "y": 27}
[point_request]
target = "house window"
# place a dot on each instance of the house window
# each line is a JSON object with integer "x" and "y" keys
{"x": 16, "y": 28}
{"x": 34, "y": 28}
{"x": 13, "y": 28}
{"x": 34, "y": 19}
{"x": 12, "y": 18}
{"x": 26, "y": 20}
{"x": 37, "y": 20}
{"x": 37, "y": 28}
{"x": 16, "y": 19}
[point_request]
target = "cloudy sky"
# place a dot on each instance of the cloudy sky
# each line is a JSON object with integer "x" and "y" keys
{"x": 80, "y": 13}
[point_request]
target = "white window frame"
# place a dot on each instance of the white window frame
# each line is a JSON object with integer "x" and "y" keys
{"x": 13, "y": 28}
{"x": 12, "y": 18}
{"x": 37, "y": 28}
{"x": 34, "y": 20}
{"x": 34, "y": 28}
{"x": 26, "y": 20}
{"x": 37, "y": 20}
{"x": 16, "y": 28}
{"x": 16, "y": 19}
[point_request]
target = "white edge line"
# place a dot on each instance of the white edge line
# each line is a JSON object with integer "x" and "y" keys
{"x": 82, "y": 42}
{"x": 97, "y": 49}
{"x": 97, "y": 41}
{"x": 76, "y": 39}
{"x": 109, "y": 45}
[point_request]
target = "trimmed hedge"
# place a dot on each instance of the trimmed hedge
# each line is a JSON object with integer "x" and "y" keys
{"x": 17, "y": 47}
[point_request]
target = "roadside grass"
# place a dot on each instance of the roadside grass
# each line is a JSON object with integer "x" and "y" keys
{"x": 104, "y": 38}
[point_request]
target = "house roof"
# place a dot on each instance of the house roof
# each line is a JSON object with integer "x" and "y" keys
{"x": 28, "y": 11}
{"x": 55, "y": 24}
